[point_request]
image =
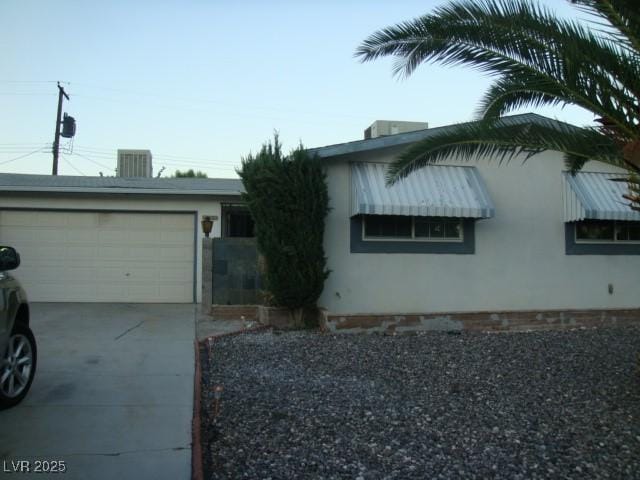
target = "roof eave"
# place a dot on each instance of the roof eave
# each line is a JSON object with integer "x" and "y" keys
{"x": 400, "y": 139}
{"x": 143, "y": 191}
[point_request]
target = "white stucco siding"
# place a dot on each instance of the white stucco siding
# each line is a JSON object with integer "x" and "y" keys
{"x": 519, "y": 261}
{"x": 200, "y": 205}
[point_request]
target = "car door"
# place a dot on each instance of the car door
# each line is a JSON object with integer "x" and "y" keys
{"x": 4, "y": 310}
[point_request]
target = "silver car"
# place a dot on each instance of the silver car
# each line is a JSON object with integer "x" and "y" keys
{"x": 17, "y": 343}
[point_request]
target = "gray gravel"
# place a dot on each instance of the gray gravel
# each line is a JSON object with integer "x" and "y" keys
{"x": 514, "y": 406}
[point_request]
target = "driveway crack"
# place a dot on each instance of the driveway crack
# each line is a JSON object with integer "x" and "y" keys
{"x": 128, "y": 330}
{"x": 125, "y": 452}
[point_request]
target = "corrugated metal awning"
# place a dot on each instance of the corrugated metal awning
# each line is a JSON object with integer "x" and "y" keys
{"x": 436, "y": 190}
{"x": 593, "y": 195}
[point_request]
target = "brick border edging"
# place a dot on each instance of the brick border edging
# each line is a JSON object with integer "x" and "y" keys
{"x": 237, "y": 332}
{"x": 197, "y": 472}
{"x": 503, "y": 320}
{"x": 196, "y": 422}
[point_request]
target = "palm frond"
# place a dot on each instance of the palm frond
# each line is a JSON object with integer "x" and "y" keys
{"x": 518, "y": 39}
{"x": 509, "y": 93}
{"x": 504, "y": 139}
{"x": 623, "y": 16}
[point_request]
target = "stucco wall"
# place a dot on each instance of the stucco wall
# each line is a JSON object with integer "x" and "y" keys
{"x": 519, "y": 261}
{"x": 201, "y": 205}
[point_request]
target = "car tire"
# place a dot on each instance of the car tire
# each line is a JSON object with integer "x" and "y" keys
{"x": 17, "y": 366}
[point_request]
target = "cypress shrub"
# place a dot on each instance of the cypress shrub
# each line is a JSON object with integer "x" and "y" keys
{"x": 288, "y": 200}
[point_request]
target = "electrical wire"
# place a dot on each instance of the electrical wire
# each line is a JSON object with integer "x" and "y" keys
{"x": 22, "y": 143}
{"x": 64, "y": 157}
{"x": 177, "y": 165}
{"x": 200, "y": 101}
{"x": 112, "y": 153}
{"x": 93, "y": 161}
{"x": 21, "y": 156}
{"x": 31, "y": 94}
{"x": 92, "y": 154}
{"x": 23, "y": 146}
{"x": 35, "y": 81}
{"x": 182, "y": 166}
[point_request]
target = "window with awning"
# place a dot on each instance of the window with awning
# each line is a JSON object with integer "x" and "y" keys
{"x": 598, "y": 220}
{"x": 595, "y": 196}
{"x": 433, "y": 191}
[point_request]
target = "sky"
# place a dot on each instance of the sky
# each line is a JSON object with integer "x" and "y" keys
{"x": 202, "y": 83}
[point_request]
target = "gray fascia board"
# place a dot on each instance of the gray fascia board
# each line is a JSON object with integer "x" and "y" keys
{"x": 399, "y": 139}
{"x": 370, "y": 144}
{"x": 142, "y": 191}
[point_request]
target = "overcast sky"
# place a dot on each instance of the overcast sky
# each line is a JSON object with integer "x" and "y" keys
{"x": 202, "y": 83}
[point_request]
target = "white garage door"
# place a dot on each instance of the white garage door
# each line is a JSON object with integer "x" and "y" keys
{"x": 102, "y": 256}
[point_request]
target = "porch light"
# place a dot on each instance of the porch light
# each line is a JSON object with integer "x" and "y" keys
{"x": 207, "y": 224}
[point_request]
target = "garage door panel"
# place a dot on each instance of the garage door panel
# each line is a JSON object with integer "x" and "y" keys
{"x": 105, "y": 253}
{"x": 81, "y": 253}
{"x": 82, "y": 236}
{"x": 170, "y": 237}
{"x": 175, "y": 254}
{"x": 102, "y": 256}
{"x": 142, "y": 254}
{"x": 143, "y": 238}
{"x": 80, "y": 221}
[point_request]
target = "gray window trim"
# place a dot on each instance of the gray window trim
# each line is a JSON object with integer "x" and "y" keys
{"x": 465, "y": 247}
{"x": 573, "y": 247}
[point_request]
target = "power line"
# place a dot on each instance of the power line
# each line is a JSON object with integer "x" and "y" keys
{"x": 64, "y": 157}
{"x": 17, "y": 150}
{"x": 21, "y": 149}
{"x": 200, "y": 100}
{"x": 34, "y": 81}
{"x": 178, "y": 165}
{"x": 94, "y": 161}
{"x": 112, "y": 153}
{"x": 21, "y": 156}
{"x": 42, "y": 94}
{"x": 92, "y": 154}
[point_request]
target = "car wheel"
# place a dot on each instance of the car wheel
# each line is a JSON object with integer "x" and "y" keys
{"x": 17, "y": 366}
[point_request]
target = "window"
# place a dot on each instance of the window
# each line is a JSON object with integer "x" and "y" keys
{"x": 440, "y": 228}
{"x": 397, "y": 227}
{"x": 387, "y": 226}
{"x": 237, "y": 221}
{"x": 607, "y": 231}
{"x": 602, "y": 237}
{"x": 404, "y": 234}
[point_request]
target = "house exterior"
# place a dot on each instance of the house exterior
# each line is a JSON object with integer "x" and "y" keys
{"x": 106, "y": 239}
{"x": 453, "y": 246}
{"x": 466, "y": 243}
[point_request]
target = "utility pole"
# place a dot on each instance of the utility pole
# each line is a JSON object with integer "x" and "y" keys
{"x": 56, "y": 140}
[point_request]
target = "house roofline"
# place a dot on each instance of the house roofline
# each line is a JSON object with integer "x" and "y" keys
{"x": 399, "y": 139}
{"x": 116, "y": 190}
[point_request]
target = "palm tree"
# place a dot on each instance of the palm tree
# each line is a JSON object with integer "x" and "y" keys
{"x": 537, "y": 59}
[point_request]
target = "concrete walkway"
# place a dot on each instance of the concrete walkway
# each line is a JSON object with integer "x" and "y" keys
{"x": 113, "y": 392}
{"x": 207, "y": 327}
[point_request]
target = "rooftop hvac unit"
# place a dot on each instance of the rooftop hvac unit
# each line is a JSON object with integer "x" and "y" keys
{"x": 134, "y": 163}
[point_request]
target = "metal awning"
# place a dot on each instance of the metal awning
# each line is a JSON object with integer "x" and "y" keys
{"x": 593, "y": 195}
{"x": 436, "y": 190}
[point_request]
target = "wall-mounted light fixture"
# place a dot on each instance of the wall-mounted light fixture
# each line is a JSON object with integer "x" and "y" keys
{"x": 207, "y": 224}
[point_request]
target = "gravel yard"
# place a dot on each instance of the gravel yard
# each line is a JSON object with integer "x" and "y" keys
{"x": 556, "y": 404}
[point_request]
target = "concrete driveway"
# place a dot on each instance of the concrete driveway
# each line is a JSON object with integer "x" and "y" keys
{"x": 113, "y": 392}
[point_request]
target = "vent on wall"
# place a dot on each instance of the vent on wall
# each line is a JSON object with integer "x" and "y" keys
{"x": 134, "y": 163}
